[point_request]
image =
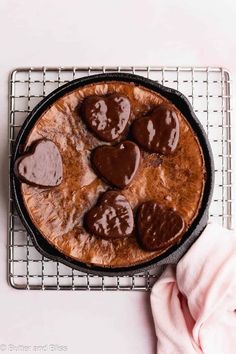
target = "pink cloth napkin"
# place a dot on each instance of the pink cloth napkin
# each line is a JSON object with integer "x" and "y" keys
{"x": 194, "y": 303}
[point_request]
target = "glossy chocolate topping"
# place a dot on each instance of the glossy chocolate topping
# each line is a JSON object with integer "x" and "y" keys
{"x": 41, "y": 166}
{"x": 112, "y": 217}
{"x": 117, "y": 164}
{"x": 107, "y": 117}
{"x": 157, "y": 131}
{"x": 158, "y": 226}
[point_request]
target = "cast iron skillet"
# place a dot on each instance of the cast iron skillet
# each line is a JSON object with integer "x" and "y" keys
{"x": 173, "y": 254}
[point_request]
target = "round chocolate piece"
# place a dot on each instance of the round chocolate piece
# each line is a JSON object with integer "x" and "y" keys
{"x": 106, "y": 116}
{"x": 157, "y": 131}
{"x": 117, "y": 164}
{"x": 41, "y": 166}
{"x": 158, "y": 226}
{"x": 112, "y": 217}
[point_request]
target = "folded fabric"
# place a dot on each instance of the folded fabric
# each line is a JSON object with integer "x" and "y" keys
{"x": 194, "y": 303}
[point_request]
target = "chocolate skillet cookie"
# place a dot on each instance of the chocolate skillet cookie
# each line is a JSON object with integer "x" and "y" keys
{"x": 107, "y": 136}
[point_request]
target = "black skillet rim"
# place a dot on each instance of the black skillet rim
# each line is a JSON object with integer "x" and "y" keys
{"x": 173, "y": 254}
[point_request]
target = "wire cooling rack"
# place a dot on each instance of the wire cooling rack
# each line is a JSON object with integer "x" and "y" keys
{"x": 208, "y": 89}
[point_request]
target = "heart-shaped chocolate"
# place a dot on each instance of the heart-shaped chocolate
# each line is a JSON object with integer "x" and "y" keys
{"x": 158, "y": 227}
{"x": 106, "y": 116}
{"x": 41, "y": 166}
{"x": 112, "y": 217}
{"x": 157, "y": 131}
{"x": 117, "y": 164}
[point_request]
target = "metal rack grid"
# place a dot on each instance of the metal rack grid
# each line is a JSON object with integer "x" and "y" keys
{"x": 208, "y": 89}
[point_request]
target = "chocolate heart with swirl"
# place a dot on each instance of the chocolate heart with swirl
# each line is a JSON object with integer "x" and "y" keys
{"x": 158, "y": 227}
{"x": 117, "y": 164}
{"x": 106, "y": 116}
{"x": 41, "y": 166}
{"x": 112, "y": 217}
{"x": 158, "y": 131}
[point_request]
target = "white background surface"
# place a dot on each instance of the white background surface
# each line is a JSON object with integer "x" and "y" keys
{"x": 105, "y": 32}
